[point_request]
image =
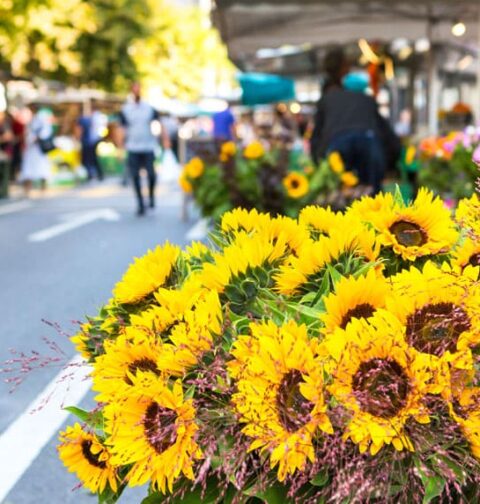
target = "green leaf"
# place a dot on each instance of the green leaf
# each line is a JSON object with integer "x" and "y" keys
{"x": 334, "y": 274}
{"x": 320, "y": 479}
{"x": 93, "y": 419}
{"x": 433, "y": 488}
{"x": 275, "y": 494}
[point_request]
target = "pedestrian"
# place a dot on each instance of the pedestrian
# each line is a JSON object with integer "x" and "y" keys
{"x": 224, "y": 125}
{"x": 6, "y": 135}
{"x": 348, "y": 122}
{"x": 38, "y": 142}
{"x": 92, "y": 128}
{"x": 140, "y": 143}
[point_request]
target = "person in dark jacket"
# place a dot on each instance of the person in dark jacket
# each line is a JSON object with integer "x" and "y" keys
{"x": 349, "y": 122}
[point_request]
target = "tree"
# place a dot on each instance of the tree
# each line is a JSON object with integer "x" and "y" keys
{"x": 106, "y": 52}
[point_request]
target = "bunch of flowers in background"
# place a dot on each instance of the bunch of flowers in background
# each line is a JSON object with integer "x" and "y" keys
{"x": 274, "y": 181}
{"x": 446, "y": 163}
{"x": 329, "y": 358}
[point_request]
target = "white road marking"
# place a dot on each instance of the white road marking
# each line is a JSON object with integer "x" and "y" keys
{"x": 14, "y": 207}
{"x": 77, "y": 221}
{"x": 24, "y": 439}
{"x": 199, "y": 231}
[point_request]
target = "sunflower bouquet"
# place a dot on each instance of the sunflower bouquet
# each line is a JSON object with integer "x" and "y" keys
{"x": 329, "y": 358}
{"x": 275, "y": 181}
{"x": 446, "y": 165}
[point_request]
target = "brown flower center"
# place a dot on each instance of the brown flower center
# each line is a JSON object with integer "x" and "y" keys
{"x": 294, "y": 184}
{"x": 381, "y": 387}
{"x": 141, "y": 365}
{"x": 435, "y": 328}
{"x": 159, "y": 427}
{"x": 474, "y": 259}
{"x": 292, "y": 408}
{"x": 363, "y": 310}
{"x": 92, "y": 458}
{"x": 408, "y": 234}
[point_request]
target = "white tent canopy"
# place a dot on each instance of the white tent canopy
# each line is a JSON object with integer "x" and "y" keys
{"x": 247, "y": 25}
{"x": 251, "y": 28}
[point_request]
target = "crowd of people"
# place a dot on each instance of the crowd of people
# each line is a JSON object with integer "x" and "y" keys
{"x": 346, "y": 120}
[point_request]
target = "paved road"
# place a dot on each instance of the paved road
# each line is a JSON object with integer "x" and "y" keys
{"x": 61, "y": 278}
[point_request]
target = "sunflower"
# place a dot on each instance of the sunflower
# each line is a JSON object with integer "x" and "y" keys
{"x": 246, "y": 254}
{"x": 266, "y": 228}
{"x": 441, "y": 313}
{"x": 465, "y": 409}
{"x": 280, "y": 393}
{"x": 81, "y": 339}
{"x": 191, "y": 338}
{"x": 194, "y": 168}
{"x": 240, "y": 219}
{"x": 468, "y": 212}
{"x": 146, "y": 274}
{"x": 136, "y": 350}
{"x": 296, "y": 185}
{"x": 228, "y": 150}
{"x": 319, "y": 221}
{"x": 185, "y": 184}
{"x": 349, "y": 179}
{"x": 254, "y": 150}
{"x": 84, "y": 454}
{"x": 335, "y": 162}
{"x": 350, "y": 246}
{"x": 152, "y": 428}
{"x": 354, "y": 298}
{"x": 369, "y": 207}
{"x": 421, "y": 229}
{"x": 379, "y": 381}
{"x": 410, "y": 154}
{"x": 468, "y": 254}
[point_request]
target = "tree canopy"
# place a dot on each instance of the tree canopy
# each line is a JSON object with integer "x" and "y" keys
{"x": 108, "y": 43}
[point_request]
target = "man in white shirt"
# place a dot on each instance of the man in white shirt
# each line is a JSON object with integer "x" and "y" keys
{"x": 140, "y": 142}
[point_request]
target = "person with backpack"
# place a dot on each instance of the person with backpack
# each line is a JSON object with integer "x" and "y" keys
{"x": 38, "y": 143}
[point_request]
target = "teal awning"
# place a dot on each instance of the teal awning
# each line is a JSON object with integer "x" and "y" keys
{"x": 259, "y": 89}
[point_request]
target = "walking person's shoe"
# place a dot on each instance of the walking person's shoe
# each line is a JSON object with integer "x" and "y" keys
{"x": 141, "y": 211}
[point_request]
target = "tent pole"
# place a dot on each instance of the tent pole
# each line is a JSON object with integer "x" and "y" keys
{"x": 432, "y": 82}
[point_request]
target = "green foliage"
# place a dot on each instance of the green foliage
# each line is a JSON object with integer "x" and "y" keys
{"x": 109, "y": 43}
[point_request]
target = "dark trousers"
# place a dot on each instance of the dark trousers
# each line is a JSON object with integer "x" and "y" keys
{"x": 136, "y": 161}
{"x": 90, "y": 161}
{"x": 363, "y": 154}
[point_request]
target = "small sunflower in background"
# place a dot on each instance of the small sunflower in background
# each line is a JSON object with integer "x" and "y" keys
{"x": 379, "y": 381}
{"x": 146, "y": 274}
{"x": 335, "y": 162}
{"x": 349, "y": 179}
{"x": 227, "y": 151}
{"x": 280, "y": 394}
{"x": 185, "y": 183}
{"x": 152, "y": 429}
{"x": 84, "y": 454}
{"x": 296, "y": 185}
{"x": 194, "y": 168}
{"x": 254, "y": 150}
{"x": 423, "y": 228}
